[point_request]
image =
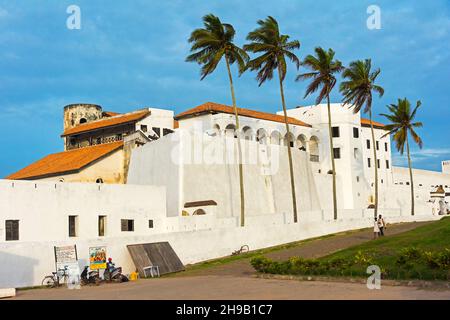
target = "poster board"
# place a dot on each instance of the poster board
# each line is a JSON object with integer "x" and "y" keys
{"x": 97, "y": 258}
{"x": 65, "y": 256}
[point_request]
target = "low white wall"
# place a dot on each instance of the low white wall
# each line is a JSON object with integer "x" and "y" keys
{"x": 26, "y": 263}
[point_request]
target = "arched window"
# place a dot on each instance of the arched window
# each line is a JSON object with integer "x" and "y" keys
{"x": 230, "y": 131}
{"x": 247, "y": 133}
{"x": 216, "y": 130}
{"x": 261, "y": 136}
{"x": 275, "y": 137}
{"x": 99, "y": 180}
{"x": 301, "y": 142}
{"x": 314, "y": 149}
{"x": 289, "y": 139}
{"x": 83, "y": 120}
{"x": 199, "y": 212}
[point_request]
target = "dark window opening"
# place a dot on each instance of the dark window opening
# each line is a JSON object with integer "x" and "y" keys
{"x": 368, "y": 144}
{"x": 385, "y": 146}
{"x": 119, "y": 137}
{"x": 83, "y": 120}
{"x": 73, "y": 226}
{"x": 407, "y": 183}
{"x": 99, "y": 140}
{"x": 101, "y": 226}
{"x": 150, "y": 224}
{"x": 337, "y": 153}
{"x": 143, "y": 128}
{"x": 355, "y": 133}
{"x": 368, "y": 162}
{"x": 157, "y": 131}
{"x": 166, "y": 131}
{"x": 99, "y": 180}
{"x": 378, "y": 163}
{"x": 335, "y": 132}
{"x": 127, "y": 225}
{"x": 378, "y": 145}
{"x": 12, "y": 230}
{"x": 387, "y": 164}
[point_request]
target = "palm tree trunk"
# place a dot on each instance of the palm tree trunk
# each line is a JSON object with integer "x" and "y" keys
{"x": 241, "y": 174}
{"x": 291, "y": 169}
{"x": 375, "y": 162}
{"x": 410, "y": 175}
{"x": 333, "y": 167}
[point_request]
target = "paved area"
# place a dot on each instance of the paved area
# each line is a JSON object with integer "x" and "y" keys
{"x": 236, "y": 280}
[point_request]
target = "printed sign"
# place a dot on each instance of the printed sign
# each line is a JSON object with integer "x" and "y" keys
{"x": 66, "y": 256}
{"x": 97, "y": 258}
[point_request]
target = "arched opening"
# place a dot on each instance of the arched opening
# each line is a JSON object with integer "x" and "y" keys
{"x": 247, "y": 133}
{"x": 301, "y": 142}
{"x": 261, "y": 136}
{"x": 289, "y": 139}
{"x": 83, "y": 120}
{"x": 275, "y": 137}
{"x": 216, "y": 130}
{"x": 230, "y": 131}
{"x": 99, "y": 180}
{"x": 314, "y": 149}
{"x": 199, "y": 212}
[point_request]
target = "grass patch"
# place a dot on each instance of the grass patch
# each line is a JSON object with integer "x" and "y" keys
{"x": 422, "y": 253}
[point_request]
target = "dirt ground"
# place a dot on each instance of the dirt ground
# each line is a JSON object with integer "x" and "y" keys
{"x": 237, "y": 280}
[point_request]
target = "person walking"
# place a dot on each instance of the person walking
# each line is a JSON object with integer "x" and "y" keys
{"x": 381, "y": 225}
{"x": 376, "y": 229}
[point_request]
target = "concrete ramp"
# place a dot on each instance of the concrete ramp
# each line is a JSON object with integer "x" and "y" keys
{"x": 158, "y": 254}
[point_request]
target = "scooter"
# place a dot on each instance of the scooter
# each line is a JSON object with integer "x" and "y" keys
{"x": 90, "y": 277}
{"x": 114, "y": 274}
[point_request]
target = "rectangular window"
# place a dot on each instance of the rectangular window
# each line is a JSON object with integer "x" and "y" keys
{"x": 12, "y": 230}
{"x": 143, "y": 128}
{"x": 335, "y": 132}
{"x": 166, "y": 131}
{"x": 127, "y": 225}
{"x": 368, "y": 144}
{"x": 378, "y": 145}
{"x": 387, "y": 164}
{"x": 368, "y": 162}
{"x": 101, "y": 226}
{"x": 378, "y": 163}
{"x": 355, "y": 133}
{"x": 73, "y": 221}
{"x": 150, "y": 224}
{"x": 157, "y": 131}
{"x": 385, "y": 147}
{"x": 337, "y": 153}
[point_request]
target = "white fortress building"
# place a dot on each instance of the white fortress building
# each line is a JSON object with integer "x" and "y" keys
{"x": 149, "y": 176}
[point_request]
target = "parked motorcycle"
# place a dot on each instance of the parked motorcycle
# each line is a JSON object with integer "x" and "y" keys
{"x": 90, "y": 277}
{"x": 114, "y": 274}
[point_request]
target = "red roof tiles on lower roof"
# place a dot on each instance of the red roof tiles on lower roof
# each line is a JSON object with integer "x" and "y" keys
{"x": 366, "y": 123}
{"x": 212, "y": 107}
{"x": 65, "y": 162}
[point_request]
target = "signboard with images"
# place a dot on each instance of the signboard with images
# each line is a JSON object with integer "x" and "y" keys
{"x": 97, "y": 258}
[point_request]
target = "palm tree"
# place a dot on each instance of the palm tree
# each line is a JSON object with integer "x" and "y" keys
{"x": 209, "y": 45}
{"x": 402, "y": 124}
{"x": 323, "y": 69}
{"x": 357, "y": 92}
{"x": 273, "y": 48}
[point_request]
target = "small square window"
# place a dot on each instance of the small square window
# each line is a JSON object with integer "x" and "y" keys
{"x": 12, "y": 230}
{"x": 355, "y": 132}
{"x": 127, "y": 224}
{"x": 335, "y": 132}
{"x": 143, "y": 128}
{"x": 337, "y": 153}
{"x": 150, "y": 224}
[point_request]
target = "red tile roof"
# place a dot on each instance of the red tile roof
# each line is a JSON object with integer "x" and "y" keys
{"x": 109, "y": 113}
{"x": 366, "y": 123}
{"x": 211, "y": 107}
{"x": 65, "y": 162}
{"x": 108, "y": 122}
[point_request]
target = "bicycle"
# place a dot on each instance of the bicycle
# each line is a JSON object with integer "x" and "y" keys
{"x": 53, "y": 281}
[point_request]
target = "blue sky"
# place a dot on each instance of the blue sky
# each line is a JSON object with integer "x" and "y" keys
{"x": 130, "y": 54}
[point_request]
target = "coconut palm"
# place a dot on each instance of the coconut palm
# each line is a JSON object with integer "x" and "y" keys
{"x": 209, "y": 46}
{"x": 358, "y": 90}
{"x": 402, "y": 124}
{"x": 273, "y": 49}
{"x": 323, "y": 69}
